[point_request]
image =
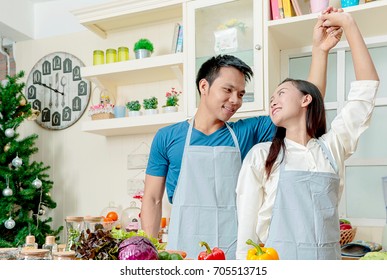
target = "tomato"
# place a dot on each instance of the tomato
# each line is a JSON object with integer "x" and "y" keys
{"x": 112, "y": 215}
{"x": 107, "y": 220}
{"x": 345, "y": 226}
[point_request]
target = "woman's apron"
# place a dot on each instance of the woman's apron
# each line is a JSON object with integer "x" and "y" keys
{"x": 204, "y": 202}
{"x": 305, "y": 221}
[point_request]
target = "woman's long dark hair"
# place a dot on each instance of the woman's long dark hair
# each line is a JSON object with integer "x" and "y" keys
{"x": 315, "y": 121}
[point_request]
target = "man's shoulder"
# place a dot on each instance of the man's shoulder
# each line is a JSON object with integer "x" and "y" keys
{"x": 255, "y": 123}
{"x": 173, "y": 129}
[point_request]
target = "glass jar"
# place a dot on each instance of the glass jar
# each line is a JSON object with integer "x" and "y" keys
{"x": 34, "y": 254}
{"x": 74, "y": 227}
{"x": 8, "y": 253}
{"x": 98, "y": 57}
{"x": 123, "y": 53}
{"x": 111, "y": 55}
{"x": 130, "y": 218}
{"x": 62, "y": 256}
{"x": 93, "y": 223}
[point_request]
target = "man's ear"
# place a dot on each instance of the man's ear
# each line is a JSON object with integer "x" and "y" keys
{"x": 307, "y": 99}
{"x": 203, "y": 86}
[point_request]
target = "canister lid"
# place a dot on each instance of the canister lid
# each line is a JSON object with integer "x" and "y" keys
{"x": 50, "y": 239}
{"x": 34, "y": 252}
{"x": 30, "y": 239}
{"x": 93, "y": 219}
{"x": 64, "y": 254}
{"x": 74, "y": 219}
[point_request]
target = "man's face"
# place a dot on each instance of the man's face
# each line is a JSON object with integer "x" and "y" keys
{"x": 224, "y": 97}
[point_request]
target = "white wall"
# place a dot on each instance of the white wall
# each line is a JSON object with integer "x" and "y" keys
{"x": 53, "y": 18}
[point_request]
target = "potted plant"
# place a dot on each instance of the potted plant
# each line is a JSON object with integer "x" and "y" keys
{"x": 150, "y": 105}
{"x": 172, "y": 100}
{"x": 143, "y": 48}
{"x": 134, "y": 108}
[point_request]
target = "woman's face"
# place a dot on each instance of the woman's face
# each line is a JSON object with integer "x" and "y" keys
{"x": 287, "y": 105}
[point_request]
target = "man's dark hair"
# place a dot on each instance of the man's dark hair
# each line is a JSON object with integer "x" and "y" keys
{"x": 210, "y": 69}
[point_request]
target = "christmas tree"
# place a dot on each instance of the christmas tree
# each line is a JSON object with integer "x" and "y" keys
{"x": 24, "y": 184}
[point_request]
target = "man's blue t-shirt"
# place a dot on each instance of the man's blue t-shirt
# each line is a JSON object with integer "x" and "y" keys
{"x": 168, "y": 144}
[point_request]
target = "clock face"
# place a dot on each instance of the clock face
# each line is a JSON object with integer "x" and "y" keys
{"x": 56, "y": 88}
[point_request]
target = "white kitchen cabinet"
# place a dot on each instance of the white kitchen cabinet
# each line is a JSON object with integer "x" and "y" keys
{"x": 226, "y": 27}
{"x": 260, "y": 44}
{"x": 125, "y": 18}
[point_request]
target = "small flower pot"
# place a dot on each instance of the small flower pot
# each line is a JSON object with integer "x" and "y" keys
{"x": 151, "y": 111}
{"x": 170, "y": 109}
{"x": 134, "y": 113}
{"x": 142, "y": 53}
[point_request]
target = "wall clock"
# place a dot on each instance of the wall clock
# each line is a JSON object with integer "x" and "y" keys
{"x": 56, "y": 88}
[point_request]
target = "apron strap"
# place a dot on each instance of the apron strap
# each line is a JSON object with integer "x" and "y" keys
{"x": 189, "y": 134}
{"x": 328, "y": 155}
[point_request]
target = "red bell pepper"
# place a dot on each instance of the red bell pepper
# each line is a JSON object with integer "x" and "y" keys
{"x": 214, "y": 254}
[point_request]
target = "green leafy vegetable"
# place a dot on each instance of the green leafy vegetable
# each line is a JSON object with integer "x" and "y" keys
{"x": 121, "y": 234}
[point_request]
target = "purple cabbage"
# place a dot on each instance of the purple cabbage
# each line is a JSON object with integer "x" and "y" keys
{"x": 137, "y": 248}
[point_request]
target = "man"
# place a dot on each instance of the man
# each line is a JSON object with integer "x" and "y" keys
{"x": 198, "y": 161}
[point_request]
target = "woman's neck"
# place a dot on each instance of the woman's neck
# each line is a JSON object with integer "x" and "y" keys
{"x": 298, "y": 135}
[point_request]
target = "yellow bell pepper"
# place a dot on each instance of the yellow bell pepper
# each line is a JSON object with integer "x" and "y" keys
{"x": 260, "y": 253}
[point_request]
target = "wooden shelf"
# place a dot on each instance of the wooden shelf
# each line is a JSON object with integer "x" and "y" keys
{"x": 296, "y": 32}
{"x": 132, "y": 125}
{"x": 136, "y": 71}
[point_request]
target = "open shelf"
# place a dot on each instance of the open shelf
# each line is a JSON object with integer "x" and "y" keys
{"x": 132, "y": 125}
{"x": 296, "y": 32}
{"x": 136, "y": 71}
{"x": 113, "y": 16}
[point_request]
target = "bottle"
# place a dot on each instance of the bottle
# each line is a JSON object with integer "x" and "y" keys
{"x": 123, "y": 53}
{"x": 93, "y": 223}
{"x": 98, "y": 57}
{"x": 74, "y": 226}
{"x": 50, "y": 244}
{"x": 130, "y": 218}
{"x": 164, "y": 236}
{"x": 111, "y": 55}
{"x": 30, "y": 243}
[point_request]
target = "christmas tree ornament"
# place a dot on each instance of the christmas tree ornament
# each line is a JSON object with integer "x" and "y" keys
{"x": 23, "y": 100}
{"x": 10, "y": 223}
{"x": 9, "y": 132}
{"x": 37, "y": 183}
{"x": 17, "y": 162}
{"x": 34, "y": 115}
{"x": 7, "y": 191}
{"x": 7, "y": 147}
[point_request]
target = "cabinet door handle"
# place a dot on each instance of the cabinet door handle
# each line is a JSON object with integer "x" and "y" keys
{"x": 258, "y": 47}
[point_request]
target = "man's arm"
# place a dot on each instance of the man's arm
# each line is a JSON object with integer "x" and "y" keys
{"x": 152, "y": 204}
{"x": 323, "y": 42}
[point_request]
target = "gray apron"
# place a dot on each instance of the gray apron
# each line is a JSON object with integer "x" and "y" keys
{"x": 204, "y": 202}
{"x": 305, "y": 221}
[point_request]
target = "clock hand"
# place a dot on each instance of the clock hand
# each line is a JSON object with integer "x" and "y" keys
{"x": 49, "y": 87}
{"x": 50, "y": 102}
{"x": 63, "y": 82}
{"x": 57, "y": 86}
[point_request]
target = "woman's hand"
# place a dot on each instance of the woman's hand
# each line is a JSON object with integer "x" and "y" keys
{"x": 326, "y": 37}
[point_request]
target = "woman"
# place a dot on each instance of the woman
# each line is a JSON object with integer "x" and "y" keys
{"x": 289, "y": 189}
